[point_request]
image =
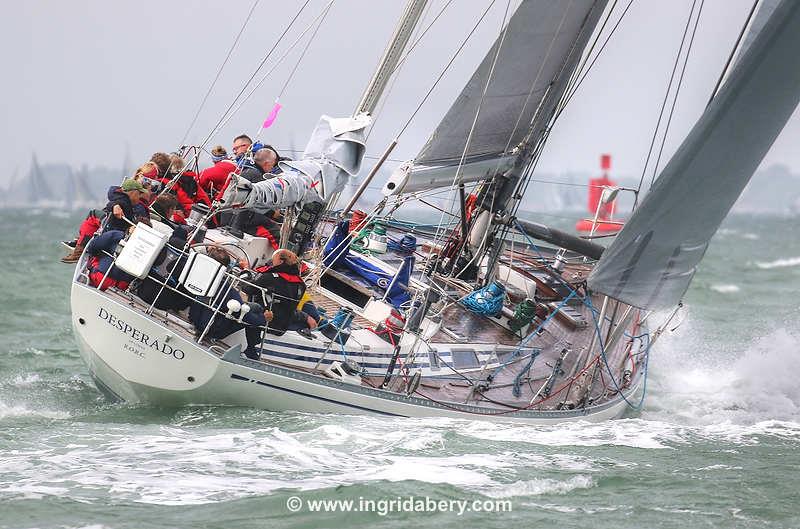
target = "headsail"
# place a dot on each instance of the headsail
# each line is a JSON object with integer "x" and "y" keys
{"x": 538, "y": 53}
{"x": 653, "y": 259}
{"x": 765, "y": 10}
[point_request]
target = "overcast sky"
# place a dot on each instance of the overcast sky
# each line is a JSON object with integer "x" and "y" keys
{"x": 86, "y": 79}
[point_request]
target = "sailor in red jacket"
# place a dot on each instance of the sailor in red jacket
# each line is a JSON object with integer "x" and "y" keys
{"x": 186, "y": 189}
{"x": 214, "y": 178}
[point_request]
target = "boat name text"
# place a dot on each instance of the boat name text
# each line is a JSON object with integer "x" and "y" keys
{"x": 139, "y": 336}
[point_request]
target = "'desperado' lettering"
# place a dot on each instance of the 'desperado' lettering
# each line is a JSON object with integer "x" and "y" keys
{"x": 139, "y": 336}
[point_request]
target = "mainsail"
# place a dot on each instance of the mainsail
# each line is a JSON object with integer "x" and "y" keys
{"x": 653, "y": 259}
{"x": 538, "y": 52}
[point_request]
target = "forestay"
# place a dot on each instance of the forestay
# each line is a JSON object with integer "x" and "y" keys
{"x": 653, "y": 259}
{"x": 538, "y": 53}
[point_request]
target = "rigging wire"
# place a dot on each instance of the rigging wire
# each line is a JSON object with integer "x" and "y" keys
{"x": 319, "y": 17}
{"x": 525, "y": 178}
{"x": 445, "y": 70}
{"x": 463, "y": 158}
{"x": 677, "y": 91}
{"x": 664, "y": 104}
{"x": 590, "y": 49}
{"x": 294, "y": 69}
{"x": 219, "y": 72}
{"x": 255, "y": 72}
{"x": 579, "y": 82}
{"x": 533, "y": 84}
{"x": 733, "y": 52}
{"x": 395, "y": 73}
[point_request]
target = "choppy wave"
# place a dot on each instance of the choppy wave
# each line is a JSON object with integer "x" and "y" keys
{"x": 18, "y": 410}
{"x": 725, "y": 288}
{"x": 537, "y": 487}
{"x": 718, "y": 413}
{"x": 725, "y": 232}
{"x": 779, "y": 263}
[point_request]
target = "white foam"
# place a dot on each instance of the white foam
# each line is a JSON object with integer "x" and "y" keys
{"x": 629, "y": 432}
{"x": 743, "y": 393}
{"x": 725, "y": 289}
{"x": 23, "y": 411}
{"x": 717, "y": 467}
{"x": 724, "y": 232}
{"x": 26, "y": 379}
{"x": 538, "y": 487}
{"x": 779, "y": 263}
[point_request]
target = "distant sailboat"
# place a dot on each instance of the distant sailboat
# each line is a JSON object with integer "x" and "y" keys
{"x": 127, "y": 164}
{"x": 39, "y": 192}
{"x": 79, "y": 194}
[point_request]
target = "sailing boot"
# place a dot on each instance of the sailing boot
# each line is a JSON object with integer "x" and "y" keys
{"x": 74, "y": 255}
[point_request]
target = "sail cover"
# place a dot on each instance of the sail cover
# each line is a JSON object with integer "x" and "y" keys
{"x": 653, "y": 259}
{"x": 542, "y": 44}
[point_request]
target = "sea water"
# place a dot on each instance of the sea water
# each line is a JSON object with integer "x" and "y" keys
{"x": 716, "y": 444}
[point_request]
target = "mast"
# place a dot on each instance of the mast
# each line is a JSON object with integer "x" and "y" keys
{"x": 336, "y": 149}
{"x": 388, "y": 63}
{"x": 509, "y": 183}
{"x": 377, "y": 84}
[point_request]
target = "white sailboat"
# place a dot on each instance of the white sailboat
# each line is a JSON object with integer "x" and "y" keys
{"x": 491, "y": 326}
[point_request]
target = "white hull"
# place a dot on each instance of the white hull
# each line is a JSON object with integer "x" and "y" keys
{"x": 138, "y": 359}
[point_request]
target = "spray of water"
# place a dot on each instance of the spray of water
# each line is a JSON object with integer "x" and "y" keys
{"x": 700, "y": 383}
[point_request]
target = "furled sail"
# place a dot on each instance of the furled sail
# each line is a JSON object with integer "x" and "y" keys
{"x": 538, "y": 53}
{"x": 333, "y": 154}
{"x": 653, "y": 259}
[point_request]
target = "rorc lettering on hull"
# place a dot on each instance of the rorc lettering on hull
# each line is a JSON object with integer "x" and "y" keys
{"x": 139, "y": 336}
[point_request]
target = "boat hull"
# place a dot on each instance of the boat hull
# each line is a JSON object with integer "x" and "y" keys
{"x": 137, "y": 359}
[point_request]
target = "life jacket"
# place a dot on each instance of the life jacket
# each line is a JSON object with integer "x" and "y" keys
{"x": 287, "y": 289}
{"x": 215, "y": 177}
{"x": 96, "y": 274}
{"x": 263, "y": 232}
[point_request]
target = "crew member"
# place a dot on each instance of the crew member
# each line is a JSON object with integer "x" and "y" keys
{"x": 219, "y": 325}
{"x": 121, "y": 202}
{"x": 282, "y": 290}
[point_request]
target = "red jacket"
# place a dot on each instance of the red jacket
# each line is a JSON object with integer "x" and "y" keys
{"x": 185, "y": 200}
{"x": 216, "y": 175}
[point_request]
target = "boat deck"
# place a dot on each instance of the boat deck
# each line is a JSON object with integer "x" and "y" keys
{"x": 560, "y": 351}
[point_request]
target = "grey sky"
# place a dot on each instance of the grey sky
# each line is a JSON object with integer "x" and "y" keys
{"x": 85, "y": 78}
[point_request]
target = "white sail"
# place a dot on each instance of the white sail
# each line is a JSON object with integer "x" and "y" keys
{"x": 538, "y": 52}
{"x": 653, "y": 259}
